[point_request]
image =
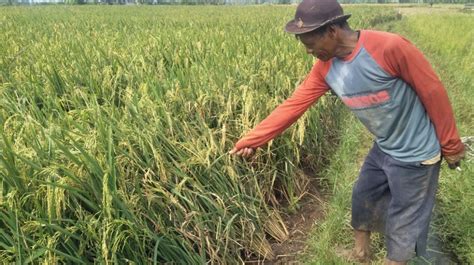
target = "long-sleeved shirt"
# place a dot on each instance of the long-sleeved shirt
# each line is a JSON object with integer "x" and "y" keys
{"x": 390, "y": 86}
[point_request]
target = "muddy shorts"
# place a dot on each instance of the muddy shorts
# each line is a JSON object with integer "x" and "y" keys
{"x": 395, "y": 198}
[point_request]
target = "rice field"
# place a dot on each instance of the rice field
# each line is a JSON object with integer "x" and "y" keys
{"x": 116, "y": 123}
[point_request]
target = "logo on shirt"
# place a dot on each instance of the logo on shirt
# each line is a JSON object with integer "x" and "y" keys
{"x": 366, "y": 100}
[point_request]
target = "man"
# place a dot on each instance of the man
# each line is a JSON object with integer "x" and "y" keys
{"x": 392, "y": 89}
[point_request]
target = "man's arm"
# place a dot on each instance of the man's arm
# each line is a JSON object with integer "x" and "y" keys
{"x": 407, "y": 62}
{"x": 288, "y": 112}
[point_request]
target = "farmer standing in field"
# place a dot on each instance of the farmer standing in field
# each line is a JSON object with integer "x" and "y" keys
{"x": 389, "y": 85}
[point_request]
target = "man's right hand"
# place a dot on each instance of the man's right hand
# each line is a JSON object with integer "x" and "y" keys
{"x": 244, "y": 152}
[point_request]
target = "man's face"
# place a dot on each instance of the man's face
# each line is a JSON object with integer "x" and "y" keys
{"x": 321, "y": 46}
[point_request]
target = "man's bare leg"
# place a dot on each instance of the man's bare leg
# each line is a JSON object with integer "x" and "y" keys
{"x": 362, "y": 245}
{"x": 391, "y": 262}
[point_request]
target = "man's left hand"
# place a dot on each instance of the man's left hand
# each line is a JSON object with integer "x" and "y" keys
{"x": 454, "y": 161}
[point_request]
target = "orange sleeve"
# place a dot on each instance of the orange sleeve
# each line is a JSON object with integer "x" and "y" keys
{"x": 404, "y": 60}
{"x": 290, "y": 110}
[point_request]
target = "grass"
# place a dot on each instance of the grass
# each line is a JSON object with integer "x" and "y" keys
{"x": 335, "y": 232}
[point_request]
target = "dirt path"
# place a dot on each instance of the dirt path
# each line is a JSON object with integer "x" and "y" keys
{"x": 436, "y": 9}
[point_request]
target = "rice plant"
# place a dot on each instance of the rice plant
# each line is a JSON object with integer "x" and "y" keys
{"x": 116, "y": 123}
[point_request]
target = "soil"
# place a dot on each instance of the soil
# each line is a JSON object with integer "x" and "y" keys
{"x": 299, "y": 227}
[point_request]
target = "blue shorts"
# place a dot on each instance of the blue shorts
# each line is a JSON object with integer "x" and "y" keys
{"x": 395, "y": 198}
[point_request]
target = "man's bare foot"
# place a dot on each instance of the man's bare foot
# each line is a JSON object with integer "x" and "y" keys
{"x": 361, "y": 251}
{"x": 362, "y": 245}
{"x": 354, "y": 256}
{"x": 392, "y": 262}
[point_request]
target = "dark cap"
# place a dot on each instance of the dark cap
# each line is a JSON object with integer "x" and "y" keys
{"x": 313, "y": 14}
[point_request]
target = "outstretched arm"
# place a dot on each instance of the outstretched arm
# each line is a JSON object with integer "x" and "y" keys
{"x": 285, "y": 114}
